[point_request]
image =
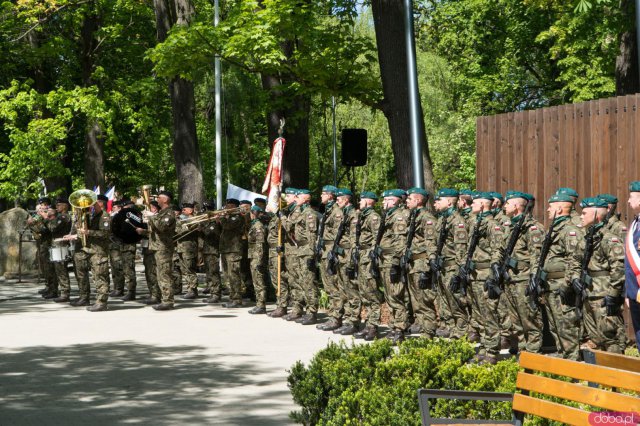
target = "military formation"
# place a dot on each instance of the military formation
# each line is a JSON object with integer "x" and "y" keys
{"x": 455, "y": 264}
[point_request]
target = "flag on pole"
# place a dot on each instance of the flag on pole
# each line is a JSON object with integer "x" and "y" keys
{"x": 111, "y": 195}
{"x": 96, "y": 189}
{"x": 273, "y": 180}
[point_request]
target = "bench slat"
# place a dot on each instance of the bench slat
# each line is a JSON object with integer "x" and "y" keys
{"x": 581, "y": 371}
{"x": 550, "y": 410}
{"x": 574, "y": 392}
{"x": 623, "y": 362}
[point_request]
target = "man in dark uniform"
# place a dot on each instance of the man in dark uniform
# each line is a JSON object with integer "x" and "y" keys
{"x": 60, "y": 225}
{"x": 128, "y": 257}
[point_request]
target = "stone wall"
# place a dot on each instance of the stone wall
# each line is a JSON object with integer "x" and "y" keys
{"x": 11, "y": 223}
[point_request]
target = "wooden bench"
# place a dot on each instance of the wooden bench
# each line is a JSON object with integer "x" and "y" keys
{"x": 608, "y": 359}
{"x": 527, "y": 382}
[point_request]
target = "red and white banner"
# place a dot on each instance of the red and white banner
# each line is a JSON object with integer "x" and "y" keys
{"x": 273, "y": 180}
{"x": 632, "y": 253}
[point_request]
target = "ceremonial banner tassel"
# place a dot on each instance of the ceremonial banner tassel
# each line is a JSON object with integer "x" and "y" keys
{"x": 273, "y": 180}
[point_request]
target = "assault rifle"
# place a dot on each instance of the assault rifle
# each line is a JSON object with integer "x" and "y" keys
{"x": 320, "y": 239}
{"x": 406, "y": 258}
{"x": 495, "y": 284}
{"x": 352, "y": 270}
{"x": 581, "y": 284}
{"x": 535, "y": 287}
{"x": 436, "y": 264}
{"x": 460, "y": 281}
{"x": 374, "y": 269}
{"x": 332, "y": 256}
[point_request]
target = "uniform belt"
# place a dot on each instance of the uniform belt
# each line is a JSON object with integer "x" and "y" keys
{"x": 483, "y": 265}
{"x": 555, "y": 275}
{"x": 386, "y": 250}
{"x": 448, "y": 263}
{"x": 596, "y": 274}
{"x": 420, "y": 256}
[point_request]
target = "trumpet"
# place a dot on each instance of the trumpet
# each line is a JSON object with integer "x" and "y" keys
{"x": 81, "y": 200}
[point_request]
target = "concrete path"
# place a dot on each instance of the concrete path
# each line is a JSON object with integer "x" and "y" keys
{"x": 198, "y": 364}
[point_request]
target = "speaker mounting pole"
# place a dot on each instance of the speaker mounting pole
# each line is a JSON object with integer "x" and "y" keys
{"x": 415, "y": 119}
{"x": 335, "y": 144}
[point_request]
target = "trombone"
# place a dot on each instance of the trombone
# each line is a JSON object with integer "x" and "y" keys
{"x": 80, "y": 201}
{"x": 192, "y": 223}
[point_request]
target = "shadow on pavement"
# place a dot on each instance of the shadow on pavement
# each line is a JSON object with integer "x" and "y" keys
{"x": 130, "y": 383}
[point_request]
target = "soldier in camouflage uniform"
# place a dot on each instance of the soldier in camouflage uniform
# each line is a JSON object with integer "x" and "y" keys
{"x": 465, "y": 199}
{"x": 232, "y": 227}
{"x": 115, "y": 258}
{"x": 289, "y": 216}
{"x": 346, "y": 284}
{"x": 42, "y": 235}
{"x": 187, "y": 249}
{"x": 303, "y": 227}
{"x": 332, "y": 217}
{"x": 423, "y": 248}
{"x": 614, "y": 224}
{"x": 370, "y": 295}
{"x": 245, "y": 264}
{"x": 176, "y": 273}
{"x": 573, "y": 194}
{"x": 257, "y": 252}
{"x": 558, "y": 300}
{"x": 149, "y": 261}
{"x": 602, "y": 307}
{"x": 527, "y": 322}
{"x": 211, "y": 252}
{"x": 392, "y": 247}
{"x": 60, "y": 226}
{"x": 276, "y": 256}
{"x": 128, "y": 256}
{"x": 453, "y": 309}
{"x": 162, "y": 230}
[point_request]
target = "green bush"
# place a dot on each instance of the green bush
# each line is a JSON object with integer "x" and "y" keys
{"x": 376, "y": 385}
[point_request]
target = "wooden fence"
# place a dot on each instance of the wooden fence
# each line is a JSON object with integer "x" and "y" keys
{"x": 593, "y": 147}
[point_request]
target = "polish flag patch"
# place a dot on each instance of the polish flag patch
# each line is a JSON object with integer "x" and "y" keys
{"x": 534, "y": 228}
{"x": 572, "y": 234}
{"x": 429, "y": 222}
{"x": 461, "y": 225}
{"x": 497, "y": 228}
{"x": 615, "y": 240}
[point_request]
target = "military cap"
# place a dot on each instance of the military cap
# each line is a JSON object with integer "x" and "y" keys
{"x": 593, "y": 202}
{"x": 369, "y": 195}
{"x": 290, "y": 190}
{"x": 634, "y": 186}
{"x": 466, "y": 192}
{"x": 303, "y": 191}
{"x": 155, "y": 204}
{"x": 393, "y": 193}
{"x": 344, "y": 191}
{"x": 166, "y": 193}
{"x": 479, "y": 195}
{"x": 175, "y": 208}
{"x": 560, "y": 198}
{"x": 118, "y": 203}
{"x": 62, "y": 200}
{"x": 245, "y": 202}
{"x": 518, "y": 194}
{"x": 610, "y": 199}
{"x": 330, "y": 189}
{"x": 102, "y": 197}
{"x": 259, "y": 200}
{"x": 188, "y": 205}
{"x": 448, "y": 192}
{"x": 497, "y": 196}
{"x": 44, "y": 200}
{"x": 233, "y": 201}
{"x": 256, "y": 209}
{"x": 416, "y": 190}
{"x": 567, "y": 191}
{"x": 126, "y": 201}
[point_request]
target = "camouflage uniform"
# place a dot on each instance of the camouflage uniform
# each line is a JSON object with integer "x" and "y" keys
{"x": 370, "y": 295}
{"x": 80, "y": 263}
{"x": 334, "y": 216}
{"x": 150, "y": 270}
{"x": 507, "y": 328}
{"x": 42, "y": 236}
{"x": 350, "y": 297}
{"x": 162, "y": 227}
{"x": 272, "y": 239}
{"x": 304, "y": 227}
{"x": 393, "y": 245}
{"x": 211, "y": 253}
{"x": 115, "y": 260}
{"x": 606, "y": 268}
{"x": 257, "y": 251}
{"x": 96, "y": 253}
{"x": 187, "y": 253}
{"x": 527, "y": 322}
{"x": 59, "y": 227}
{"x": 423, "y": 248}
{"x": 296, "y": 290}
{"x": 617, "y": 227}
{"x": 232, "y": 227}
{"x": 484, "y": 311}
{"x": 453, "y": 309}
{"x": 563, "y": 321}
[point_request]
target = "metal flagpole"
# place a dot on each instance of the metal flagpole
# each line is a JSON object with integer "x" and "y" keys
{"x": 415, "y": 120}
{"x": 218, "y": 90}
{"x": 335, "y": 146}
{"x": 638, "y": 33}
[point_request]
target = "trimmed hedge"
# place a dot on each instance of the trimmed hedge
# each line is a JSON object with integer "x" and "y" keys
{"x": 376, "y": 385}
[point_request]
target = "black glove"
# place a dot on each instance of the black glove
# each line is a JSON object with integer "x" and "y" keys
{"x": 495, "y": 268}
{"x": 433, "y": 265}
{"x": 454, "y": 284}
{"x": 492, "y": 289}
{"x": 463, "y": 273}
{"x": 532, "y": 287}
{"x": 577, "y": 286}
{"x": 279, "y": 249}
{"x": 424, "y": 280}
{"x": 262, "y": 269}
{"x": 311, "y": 263}
{"x": 395, "y": 274}
{"x": 612, "y": 304}
{"x": 566, "y": 295}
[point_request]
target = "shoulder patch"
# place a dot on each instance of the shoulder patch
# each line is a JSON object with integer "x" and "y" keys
{"x": 534, "y": 228}
{"x": 624, "y": 229}
{"x": 572, "y": 233}
{"x": 461, "y": 225}
{"x": 429, "y": 222}
{"x": 497, "y": 228}
{"x": 615, "y": 240}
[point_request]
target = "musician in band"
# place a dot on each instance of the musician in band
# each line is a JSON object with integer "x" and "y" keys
{"x": 41, "y": 234}
{"x": 59, "y": 226}
{"x": 187, "y": 250}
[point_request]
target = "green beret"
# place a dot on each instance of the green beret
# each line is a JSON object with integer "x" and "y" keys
{"x": 303, "y": 191}
{"x": 344, "y": 191}
{"x": 393, "y": 193}
{"x": 466, "y": 192}
{"x": 479, "y": 195}
{"x": 290, "y": 191}
{"x": 497, "y": 196}
{"x": 330, "y": 189}
{"x": 593, "y": 202}
{"x": 610, "y": 199}
{"x": 515, "y": 194}
{"x": 634, "y": 186}
{"x": 256, "y": 209}
{"x": 420, "y": 191}
{"x": 558, "y": 198}
{"x": 368, "y": 194}
{"x": 448, "y": 192}
{"x": 567, "y": 191}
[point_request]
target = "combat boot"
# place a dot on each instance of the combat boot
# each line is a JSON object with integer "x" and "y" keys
{"x": 232, "y": 305}
{"x": 82, "y": 301}
{"x": 415, "y": 328}
{"x": 191, "y": 294}
{"x": 332, "y": 325}
{"x": 473, "y": 337}
{"x": 360, "y": 334}
{"x": 301, "y": 319}
{"x": 43, "y": 291}
{"x": 206, "y": 290}
{"x": 372, "y": 333}
{"x": 443, "y": 332}
{"x": 116, "y": 293}
{"x": 151, "y": 301}
{"x": 163, "y": 307}
{"x": 98, "y": 307}
{"x": 338, "y": 330}
{"x": 349, "y": 329}
{"x": 130, "y": 296}
{"x": 257, "y": 310}
{"x": 278, "y": 313}
{"x": 310, "y": 319}
{"x": 212, "y": 299}
{"x": 63, "y": 298}
{"x": 292, "y": 316}
{"x": 51, "y": 295}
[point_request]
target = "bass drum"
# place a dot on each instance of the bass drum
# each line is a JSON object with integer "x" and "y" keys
{"x": 124, "y": 224}
{"x": 58, "y": 253}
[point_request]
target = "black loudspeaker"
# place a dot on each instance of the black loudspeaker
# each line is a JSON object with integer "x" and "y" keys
{"x": 354, "y": 147}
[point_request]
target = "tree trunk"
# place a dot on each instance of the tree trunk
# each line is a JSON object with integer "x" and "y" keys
{"x": 186, "y": 151}
{"x": 627, "y": 73}
{"x": 94, "y": 138}
{"x": 388, "y": 18}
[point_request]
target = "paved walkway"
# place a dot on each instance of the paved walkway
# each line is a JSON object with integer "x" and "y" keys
{"x": 198, "y": 364}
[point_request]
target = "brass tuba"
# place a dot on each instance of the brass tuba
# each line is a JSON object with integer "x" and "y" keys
{"x": 81, "y": 200}
{"x": 146, "y": 195}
